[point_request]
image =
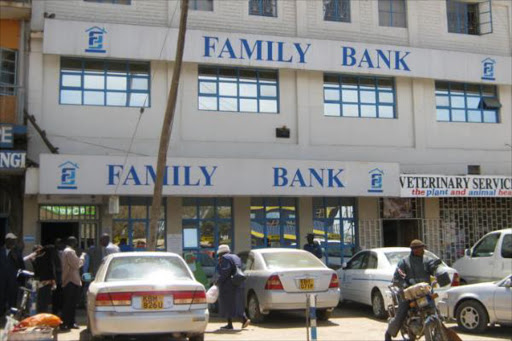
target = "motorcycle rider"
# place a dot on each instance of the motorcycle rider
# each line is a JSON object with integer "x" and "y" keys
{"x": 410, "y": 270}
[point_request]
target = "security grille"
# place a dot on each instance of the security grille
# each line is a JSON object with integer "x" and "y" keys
{"x": 68, "y": 212}
{"x": 370, "y": 234}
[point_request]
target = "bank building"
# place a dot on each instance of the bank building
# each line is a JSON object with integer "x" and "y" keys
{"x": 367, "y": 123}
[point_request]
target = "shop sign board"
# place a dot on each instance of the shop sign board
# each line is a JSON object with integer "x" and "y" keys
{"x": 7, "y": 132}
{"x": 12, "y": 159}
{"x": 423, "y": 186}
{"x": 108, "y": 175}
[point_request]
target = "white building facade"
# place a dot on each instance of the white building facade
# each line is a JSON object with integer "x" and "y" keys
{"x": 368, "y": 123}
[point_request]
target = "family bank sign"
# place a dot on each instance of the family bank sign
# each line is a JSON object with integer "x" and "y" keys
{"x": 97, "y": 175}
{"x": 455, "y": 186}
{"x": 85, "y": 39}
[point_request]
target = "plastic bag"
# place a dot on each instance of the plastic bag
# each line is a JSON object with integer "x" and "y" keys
{"x": 212, "y": 294}
{"x": 41, "y": 320}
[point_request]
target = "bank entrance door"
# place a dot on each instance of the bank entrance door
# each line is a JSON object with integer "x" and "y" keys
{"x": 400, "y": 232}
{"x": 401, "y": 220}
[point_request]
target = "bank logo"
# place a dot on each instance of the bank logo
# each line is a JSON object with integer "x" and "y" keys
{"x": 488, "y": 69}
{"x": 68, "y": 175}
{"x": 96, "y": 40}
{"x": 376, "y": 181}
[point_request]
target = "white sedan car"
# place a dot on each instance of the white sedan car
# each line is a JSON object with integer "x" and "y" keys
{"x": 475, "y": 306}
{"x": 146, "y": 293}
{"x": 281, "y": 279}
{"x": 366, "y": 277}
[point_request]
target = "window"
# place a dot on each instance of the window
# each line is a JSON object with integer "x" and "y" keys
{"x": 118, "y": 2}
{"x": 337, "y": 10}
{"x": 274, "y": 223}
{"x": 359, "y": 96}
{"x": 8, "y": 72}
{"x": 104, "y": 82}
{"x": 238, "y": 90}
{"x": 372, "y": 261}
{"x": 469, "y": 17}
{"x": 131, "y": 224}
{"x": 461, "y": 102}
{"x": 358, "y": 262}
{"x": 392, "y": 13}
{"x": 486, "y": 247}
{"x": 201, "y": 5}
{"x": 506, "y": 246}
{"x": 291, "y": 260}
{"x": 266, "y": 8}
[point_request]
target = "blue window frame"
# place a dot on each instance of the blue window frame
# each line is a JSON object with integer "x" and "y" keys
{"x": 238, "y": 90}
{"x": 392, "y": 13}
{"x": 266, "y": 8}
{"x": 334, "y": 225}
{"x": 132, "y": 224}
{"x": 117, "y": 2}
{"x": 201, "y": 5}
{"x": 359, "y": 96}
{"x": 274, "y": 223}
{"x": 104, "y": 82}
{"x": 463, "y": 17}
{"x": 463, "y": 102}
{"x": 337, "y": 10}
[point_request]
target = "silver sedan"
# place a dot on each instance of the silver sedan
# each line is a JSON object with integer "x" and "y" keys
{"x": 475, "y": 306}
{"x": 281, "y": 279}
{"x": 146, "y": 293}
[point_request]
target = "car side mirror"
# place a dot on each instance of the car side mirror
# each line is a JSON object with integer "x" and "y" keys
{"x": 87, "y": 277}
{"x": 508, "y": 283}
{"x": 467, "y": 252}
{"x": 344, "y": 265}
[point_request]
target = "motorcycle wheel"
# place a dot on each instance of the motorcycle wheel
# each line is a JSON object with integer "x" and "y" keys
{"x": 407, "y": 335}
{"x": 434, "y": 331}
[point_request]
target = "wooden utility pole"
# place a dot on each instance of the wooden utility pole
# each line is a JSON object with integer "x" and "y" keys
{"x": 166, "y": 131}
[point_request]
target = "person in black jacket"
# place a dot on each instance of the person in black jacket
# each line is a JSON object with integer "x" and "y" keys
{"x": 45, "y": 265}
{"x": 11, "y": 261}
{"x": 231, "y": 297}
{"x": 313, "y": 246}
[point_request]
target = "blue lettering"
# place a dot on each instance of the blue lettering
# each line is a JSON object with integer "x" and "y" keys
{"x": 298, "y": 178}
{"x": 248, "y": 51}
{"x": 112, "y": 173}
{"x": 333, "y": 178}
{"x": 207, "y": 176}
{"x": 209, "y": 46}
{"x": 280, "y": 173}
{"x": 385, "y": 59}
{"x": 270, "y": 52}
{"x": 348, "y": 53}
{"x": 302, "y": 53}
{"x": 187, "y": 177}
{"x": 318, "y": 177}
{"x": 280, "y": 53}
{"x": 400, "y": 61}
{"x": 176, "y": 175}
{"x": 227, "y": 48}
{"x": 132, "y": 175}
{"x": 366, "y": 59}
{"x": 150, "y": 173}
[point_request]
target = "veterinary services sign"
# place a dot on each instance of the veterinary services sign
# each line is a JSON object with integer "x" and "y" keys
{"x": 416, "y": 185}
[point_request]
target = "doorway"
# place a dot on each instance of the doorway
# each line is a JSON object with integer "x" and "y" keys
{"x": 3, "y": 229}
{"x": 53, "y": 230}
{"x": 400, "y": 232}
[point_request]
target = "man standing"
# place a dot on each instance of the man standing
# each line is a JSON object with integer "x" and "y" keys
{"x": 105, "y": 248}
{"x": 11, "y": 261}
{"x": 313, "y": 246}
{"x": 71, "y": 283}
{"x": 410, "y": 270}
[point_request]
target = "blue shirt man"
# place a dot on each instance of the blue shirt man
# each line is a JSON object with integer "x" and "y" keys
{"x": 313, "y": 246}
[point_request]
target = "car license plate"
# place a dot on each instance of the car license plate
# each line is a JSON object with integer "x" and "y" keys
{"x": 152, "y": 302}
{"x": 307, "y": 284}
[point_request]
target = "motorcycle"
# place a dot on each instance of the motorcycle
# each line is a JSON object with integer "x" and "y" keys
{"x": 423, "y": 317}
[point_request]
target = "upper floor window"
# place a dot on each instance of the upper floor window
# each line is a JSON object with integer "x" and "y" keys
{"x": 201, "y": 5}
{"x": 469, "y": 17}
{"x": 242, "y": 90}
{"x": 462, "y": 102}
{"x": 104, "y": 82}
{"x": 120, "y": 2}
{"x": 392, "y": 13}
{"x": 266, "y": 8}
{"x": 337, "y": 10}
{"x": 359, "y": 96}
{"x": 7, "y": 72}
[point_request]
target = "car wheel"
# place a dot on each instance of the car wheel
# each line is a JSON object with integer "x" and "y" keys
{"x": 198, "y": 337}
{"x": 472, "y": 317}
{"x": 253, "y": 310}
{"x": 378, "y": 305}
{"x": 323, "y": 314}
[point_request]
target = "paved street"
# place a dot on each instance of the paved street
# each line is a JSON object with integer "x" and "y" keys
{"x": 350, "y": 322}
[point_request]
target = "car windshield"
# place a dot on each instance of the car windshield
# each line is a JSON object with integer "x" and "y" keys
{"x": 146, "y": 268}
{"x": 395, "y": 256}
{"x": 291, "y": 260}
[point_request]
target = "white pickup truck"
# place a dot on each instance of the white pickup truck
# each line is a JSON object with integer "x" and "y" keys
{"x": 490, "y": 259}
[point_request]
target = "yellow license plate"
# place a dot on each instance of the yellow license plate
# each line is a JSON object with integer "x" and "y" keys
{"x": 307, "y": 284}
{"x": 153, "y": 302}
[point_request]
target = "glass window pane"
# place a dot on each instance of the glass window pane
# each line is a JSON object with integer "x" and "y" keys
{"x": 399, "y": 20}
{"x": 139, "y": 235}
{"x": 225, "y": 232}
{"x": 248, "y": 90}
{"x": 331, "y": 80}
{"x": 331, "y": 94}
{"x": 331, "y": 109}
{"x": 489, "y": 90}
{"x": 139, "y": 100}
{"x": 94, "y": 97}
{"x": 94, "y": 66}
{"x": 207, "y": 103}
{"x": 473, "y": 89}
{"x": 227, "y": 74}
{"x": 228, "y": 104}
{"x": 368, "y": 111}
{"x": 94, "y": 82}
{"x": 116, "y": 83}
{"x": 249, "y": 105}
{"x": 385, "y": 83}
{"x": 350, "y": 110}
{"x": 117, "y": 68}
{"x": 248, "y": 76}
{"x": 443, "y": 114}
{"x": 207, "y": 73}
{"x": 349, "y": 96}
{"x": 367, "y": 83}
{"x": 268, "y": 106}
{"x": 139, "y": 68}
{"x": 458, "y": 115}
{"x": 490, "y": 117}
{"x": 384, "y": 18}
{"x": 367, "y": 96}
{"x": 268, "y": 91}
{"x": 442, "y": 101}
{"x": 348, "y": 82}
{"x": 228, "y": 89}
{"x": 386, "y": 97}
{"x": 207, "y": 87}
{"x": 116, "y": 98}
{"x": 70, "y": 97}
{"x": 386, "y": 111}
{"x": 72, "y": 80}
{"x": 442, "y": 88}
{"x": 267, "y": 76}
{"x": 474, "y": 116}
{"x": 69, "y": 64}
{"x": 457, "y": 88}
{"x": 207, "y": 238}
{"x": 139, "y": 84}
{"x": 473, "y": 102}
{"x": 458, "y": 102}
